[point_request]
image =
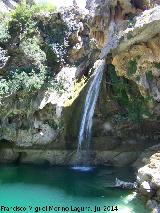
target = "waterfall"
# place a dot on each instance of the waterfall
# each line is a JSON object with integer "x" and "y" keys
{"x": 89, "y": 106}
{"x": 93, "y": 91}
{"x": 84, "y": 136}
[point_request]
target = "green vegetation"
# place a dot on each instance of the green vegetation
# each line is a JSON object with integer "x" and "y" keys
{"x": 137, "y": 78}
{"x": 157, "y": 65}
{"x": 4, "y": 33}
{"x": 25, "y": 13}
{"x": 22, "y": 20}
{"x": 125, "y": 92}
{"x": 51, "y": 57}
{"x": 57, "y": 85}
{"x": 27, "y": 79}
{"x": 149, "y": 75}
{"x": 32, "y": 50}
{"x": 21, "y": 79}
{"x": 121, "y": 39}
{"x": 31, "y": 58}
{"x": 129, "y": 36}
{"x": 132, "y": 67}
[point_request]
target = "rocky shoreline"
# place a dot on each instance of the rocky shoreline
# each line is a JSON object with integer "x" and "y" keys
{"x": 148, "y": 178}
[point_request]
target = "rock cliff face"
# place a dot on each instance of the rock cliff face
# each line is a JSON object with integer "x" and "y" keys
{"x": 148, "y": 166}
{"x": 132, "y": 76}
{"x": 129, "y": 99}
{"x": 38, "y": 71}
{"x": 42, "y": 54}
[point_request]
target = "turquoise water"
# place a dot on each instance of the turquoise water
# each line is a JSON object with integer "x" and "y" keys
{"x": 57, "y": 189}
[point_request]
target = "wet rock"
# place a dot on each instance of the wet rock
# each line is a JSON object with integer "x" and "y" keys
{"x": 8, "y": 156}
{"x": 59, "y": 155}
{"x": 148, "y": 177}
{"x": 125, "y": 185}
{"x": 152, "y": 204}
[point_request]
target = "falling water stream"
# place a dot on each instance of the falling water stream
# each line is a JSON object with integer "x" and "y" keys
{"x": 89, "y": 106}
{"x": 88, "y": 111}
{"x": 84, "y": 136}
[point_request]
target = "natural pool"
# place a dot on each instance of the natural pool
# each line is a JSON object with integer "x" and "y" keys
{"x": 49, "y": 189}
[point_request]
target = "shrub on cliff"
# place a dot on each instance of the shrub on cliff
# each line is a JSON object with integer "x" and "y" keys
{"x": 31, "y": 49}
{"x": 22, "y": 79}
{"x": 126, "y": 94}
{"x": 33, "y": 62}
{"x": 4, "y": 33}
{"x": 22, "y": 18}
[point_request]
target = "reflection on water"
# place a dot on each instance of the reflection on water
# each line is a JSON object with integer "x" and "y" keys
{"x": 59, "y": 186}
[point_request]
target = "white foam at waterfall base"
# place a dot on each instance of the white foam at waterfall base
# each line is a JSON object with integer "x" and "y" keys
{"x": 83, "y": 168}
{"x": 89, "y": 106}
